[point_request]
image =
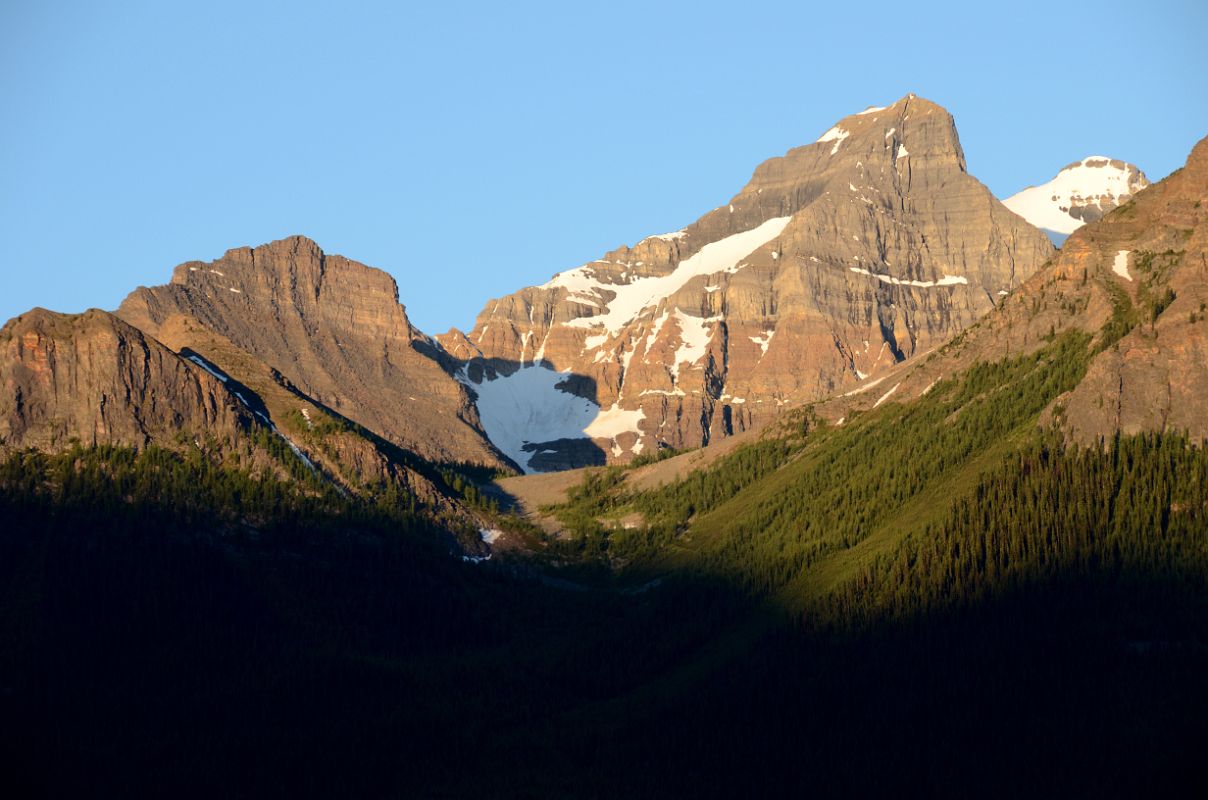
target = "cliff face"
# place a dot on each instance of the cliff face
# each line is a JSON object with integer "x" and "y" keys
{"x": 1156, "y": 377}
{"x": 94, "y": 378}
{"x": 333, "y": 328}
{"x": 1143, "y": 268}
{"x": 835, "y": 262}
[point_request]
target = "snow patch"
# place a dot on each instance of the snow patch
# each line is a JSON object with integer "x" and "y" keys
{"x": 864, "y": 388}
{"x": 695, "y": 333}
{"x": 490, "y": 535}
{"x": 885, "y": 396}
{"x": 528, "y": 407}
{"x": 297, "y": 450}
{"x": 655, "y": 330}
{"x": 1120, "y": 265}
{"x": 668, "y": 237}
{"x": 199, "y": 361}
{"x": 629, "y": 299}
{"x": 947, "y": 280}
{"x": 763, "y": 341}
{"x": 836, "y": 134}
{"x": 614, "y": 421}
{"x": 238, "y": 396}
{"x": 902, "y": 151}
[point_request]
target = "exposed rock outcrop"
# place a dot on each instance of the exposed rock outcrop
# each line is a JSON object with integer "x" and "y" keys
{"x": 835, "y": 262}
{"x": 1144, "y": 269}
{"x": 95, "y": 379}
{"x": 332, "y": 327}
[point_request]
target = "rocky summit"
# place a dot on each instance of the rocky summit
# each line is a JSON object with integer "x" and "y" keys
{"x": 834, "y": 263}
{"x": 1137, "y": 282}
{"x": 331, "y": 327}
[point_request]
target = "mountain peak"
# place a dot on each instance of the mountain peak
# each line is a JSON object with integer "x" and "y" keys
{"x": 1081, "y": 192}
{"x": 333, "y": 327}
{"x": 899, "y": 105}
{"x": 835, "y": 261}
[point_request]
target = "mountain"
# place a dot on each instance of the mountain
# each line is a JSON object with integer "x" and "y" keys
{"x": 94, "y": 379}
{"x": 981, "y": 570}
{"x": 1137, "y": 281}
{"x": 332, "y": 328}
{"x": 1080, "y": 193}
{"x": 835, "y": 262}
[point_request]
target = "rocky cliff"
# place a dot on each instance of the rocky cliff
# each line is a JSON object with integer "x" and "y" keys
{"x": 93, "y": 378}
{"x": 1137, "y": 282}
{"x": 834, "y": 263}
{"x": 331, "y": 327}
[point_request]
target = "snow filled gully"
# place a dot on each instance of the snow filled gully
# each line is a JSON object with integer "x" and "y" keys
{"x": 256, "y": 406}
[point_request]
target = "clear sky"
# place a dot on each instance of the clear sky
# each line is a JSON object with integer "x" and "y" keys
{"x": 471, "y": 149}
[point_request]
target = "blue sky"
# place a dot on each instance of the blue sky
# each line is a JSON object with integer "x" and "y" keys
{"x": 471, "y": 149}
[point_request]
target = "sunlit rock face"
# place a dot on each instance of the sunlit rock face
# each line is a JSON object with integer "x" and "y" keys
{"x": 836, "y": 261}
{"x": 94, "y": 380}
{"x": 332, "y": 327}
{"x": 1134, "y": 284}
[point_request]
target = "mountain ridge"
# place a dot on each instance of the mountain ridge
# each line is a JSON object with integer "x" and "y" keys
{"x": 684, "y": 339}
{"x": 333, "y": 327}
{"x": 1137, "y": 280}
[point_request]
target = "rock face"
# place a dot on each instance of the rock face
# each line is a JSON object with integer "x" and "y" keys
{"x": 333, "y": 328}
{"x": 1144, "y": 269}
{"x": 1156, "y": 377}
{"x": 94, "y": 378}
{"x": 1080, "y": 193}
{"x": 834, "y": 263}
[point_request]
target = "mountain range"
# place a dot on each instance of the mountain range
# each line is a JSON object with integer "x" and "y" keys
{"x": 865, "y": 480}
{"x": 835, "y": 263}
